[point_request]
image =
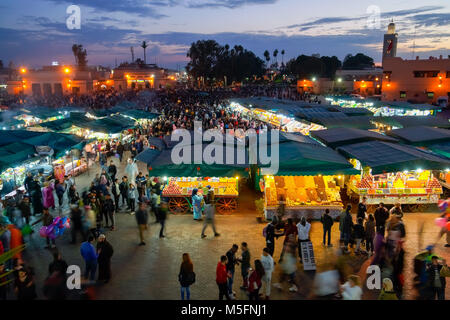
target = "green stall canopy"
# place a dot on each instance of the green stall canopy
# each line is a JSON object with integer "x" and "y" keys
{"x": 413, "y": 121}
{"x": 337, "y": 137}
{"x": 421, "y": 136}
{"x": 384, "y": 157}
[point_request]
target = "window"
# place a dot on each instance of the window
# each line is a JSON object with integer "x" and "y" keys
{"x": 428, "y": 74}
{"x": 402, "y": 94}
{"x": 430, "y": 95}
{"x": 448, "y": 74}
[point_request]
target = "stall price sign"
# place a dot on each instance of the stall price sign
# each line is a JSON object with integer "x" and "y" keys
{"x": 309, "y": 262}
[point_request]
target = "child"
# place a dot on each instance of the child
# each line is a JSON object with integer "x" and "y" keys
{"x": 132, "y": 197}
{"x": 359, "y": 234}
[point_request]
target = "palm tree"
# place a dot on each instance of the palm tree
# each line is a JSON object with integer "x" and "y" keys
{"x": 275, "y": 54}
{"x": 267, "y": 56}
{"x": 144, "y": 46}
{"x": 282, "y": 57}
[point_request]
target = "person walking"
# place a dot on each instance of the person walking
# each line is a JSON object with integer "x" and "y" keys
{"x": 270, "y": 235}
{"x": 120, "y": 150}
{"x": 108, "y": 211}
{"x": 210, "y": 212}
{"x": 141, "y": 183}
{"x": 132, "y": 198}
{"x": 290, "y": 235}
{"x": 115, "y": 190}
{"x": 268, "y": 264}
{"x": 58, "y": 264}
{"x": 105, "y": 252}
{"x": 186, "y": 276}
{"x": 76, "y": 218}
{"x": 255, "y": 281}
{"x": 351, "y": 290}
{"x": 289, "y": 266}
{"x": 347, "y": 228}
{"x": 222, "y": 278}
{"x": 303, "y": 228}
{"x": 123, "y": 187}
{"x": 47, "y": 220}
{"x": 381, "y": 216}
{"x": 245, "y": 264}
{"x": 161, "y": 213}
{"x": 369, "y": 230}
{"x": 142, "y": 221}
{"x": 232, "y": 262}
{"x": 112, "y": 171}
{"x": 327, "y": 223}
{"x": 90, "y": 257}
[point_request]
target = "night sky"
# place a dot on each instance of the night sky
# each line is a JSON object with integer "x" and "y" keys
{"x": 34, "y": 32}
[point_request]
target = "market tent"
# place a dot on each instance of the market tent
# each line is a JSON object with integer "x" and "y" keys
{"x": 59, "y": 142}
{"x": 57, "y": 125}
{"x": 282, "y": 138}
{"x": 353, "y": 112}
{"x": 311, "y": 114}
{"x": 11, "y": 136}
{"x": 421, "y": 136}
{"x": 299, "y": 159}
{"x": 357, "y": 122}
{"x": 16, "y": 152}
{"x": 391, "y": 157}
{"x": 406, "y": 105}
{"x": 442, "y": 149}
{"x": 413, "y": 121}
{"x": 140, "y": 114}
{"x": 336, "y": 137}
{"x": 161, "y": 163}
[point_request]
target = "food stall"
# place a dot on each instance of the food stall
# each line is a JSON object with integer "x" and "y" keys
{"x": 303, "y": 195}
{"x": 388, "y": 174}
{"x": 414, "y": 189}
{"x": 179, "y": 191}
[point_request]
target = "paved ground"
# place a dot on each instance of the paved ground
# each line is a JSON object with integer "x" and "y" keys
{"x": 150, "y": 272}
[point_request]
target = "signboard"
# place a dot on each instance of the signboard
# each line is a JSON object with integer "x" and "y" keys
{"x": 309, "y": 262}
{"x": 412, "y": 199}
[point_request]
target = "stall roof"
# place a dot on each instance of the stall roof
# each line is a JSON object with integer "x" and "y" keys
{"x": 413, "y": 121}
{"x": 421, "y": 136}
{"x": 357, "y": 122}
{"x": 140, "y": 114}
{"x": 336, "y": 137}
{"x": 406, "y": 105}
{"x": 353, "y": 112}
{"x": 57, "y": 125}
{"x": 296, "y": 159}
{"x": 442, "y": 149}
{"x": 17, "y": 146}
{"x": 391, "y": 157}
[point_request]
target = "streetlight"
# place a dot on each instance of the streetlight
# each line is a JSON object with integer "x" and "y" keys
{"x": 23, "y": 70}
{"x": 339, "y": 79}
{"x": 66, "y": 70}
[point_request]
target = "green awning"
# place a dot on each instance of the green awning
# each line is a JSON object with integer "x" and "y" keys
{"x": 421, "y": 136}
{"x": 384, "y": 157}
{"x": 140, "y": 114}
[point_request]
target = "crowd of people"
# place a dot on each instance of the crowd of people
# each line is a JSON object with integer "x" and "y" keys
{"x": 379, "y": 237}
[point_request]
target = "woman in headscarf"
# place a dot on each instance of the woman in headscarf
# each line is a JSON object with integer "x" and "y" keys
{"x": 197, "y": 204}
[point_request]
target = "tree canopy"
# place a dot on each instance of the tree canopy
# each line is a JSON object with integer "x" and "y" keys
{"x": 210, "y": 60}
{"x": 308, "y": 66}
{"x": 358, "y": 61}
{"x": 80, "y": 55}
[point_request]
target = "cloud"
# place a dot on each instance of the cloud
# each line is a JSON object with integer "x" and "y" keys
{"x": 138, "y": 7}
{"x": 231, "y": 4}
{"x": 433, "y": 19}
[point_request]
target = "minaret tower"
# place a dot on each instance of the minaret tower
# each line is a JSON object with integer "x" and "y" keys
{"x": 390, "y": 42}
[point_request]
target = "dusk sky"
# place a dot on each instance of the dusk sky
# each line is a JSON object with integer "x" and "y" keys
{"x": 34, "y": 32}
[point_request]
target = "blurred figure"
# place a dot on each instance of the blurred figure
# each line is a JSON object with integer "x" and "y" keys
{"x": 326, "y": 283}
{"x": 47, "y": 220}
{"x": 245, "y": 264}
{"x": 362, "y": 209}
{"x": 358, "y": 229}
{"x": 255, "y": 280}
{"x": 290, "y": 236}
{"x": 351, "y": 290}
{"x": 77, "y": 223}
{"x": 387, "y": 292}
{"x": 58, "y": 264}
{"x": 369, "y": 230}
{"x": 210, "y": 211}
{"x": 381, "y": 216}
{"x": 268, "y": 264}
{"x": 24, "y": 286}
{"x": 289, "y": 266}
{"x": 231, "y": 264}
{"x": 186, "y": 276}
{"x": 303, "y": 230}
{"x": 142, "y": 221}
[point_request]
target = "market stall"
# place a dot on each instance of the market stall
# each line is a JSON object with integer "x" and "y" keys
{"x": 414, "y": 189}
{"x": 394, "y": 173}
{"x": 309, "y": 179}
{"x": 179, "y": 191}
{"x": 223, "y": 175}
